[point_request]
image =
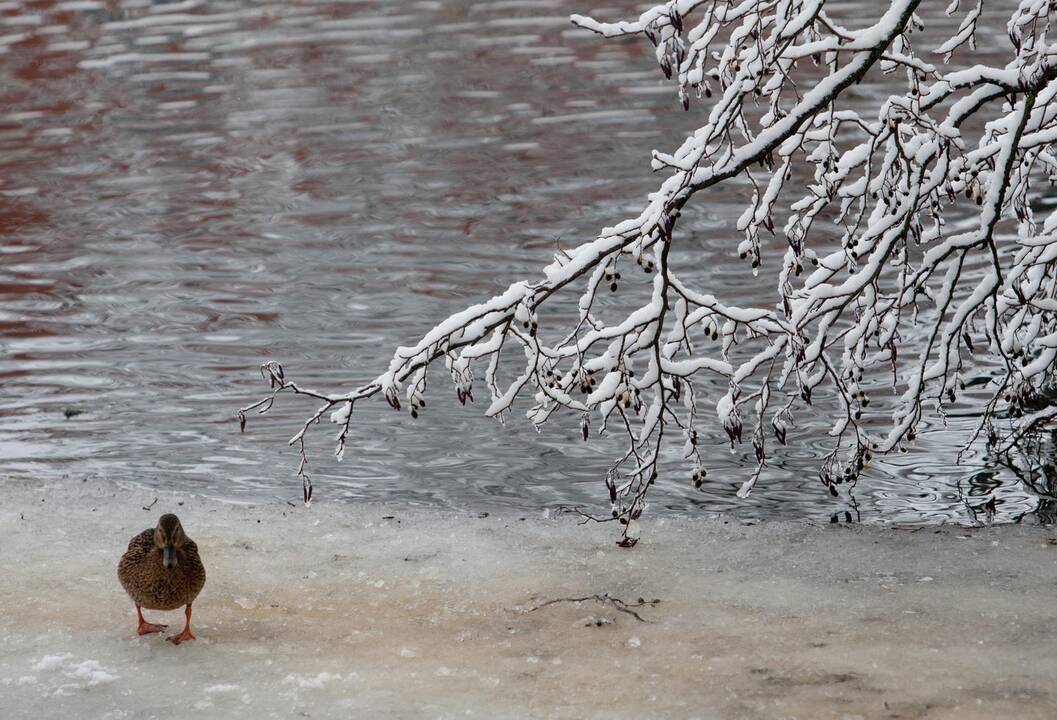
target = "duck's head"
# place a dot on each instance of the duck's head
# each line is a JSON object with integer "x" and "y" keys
{"x": 169, "y": 537}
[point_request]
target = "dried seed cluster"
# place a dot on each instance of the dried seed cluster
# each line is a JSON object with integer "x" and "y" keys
{"x": 697, "y": 476}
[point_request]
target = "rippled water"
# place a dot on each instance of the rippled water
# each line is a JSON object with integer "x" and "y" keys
{"x": 190, "y": 188}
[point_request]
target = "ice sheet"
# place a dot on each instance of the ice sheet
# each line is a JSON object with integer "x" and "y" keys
{"x": 336, "y": 609}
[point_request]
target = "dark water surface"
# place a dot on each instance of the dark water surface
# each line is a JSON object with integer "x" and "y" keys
{"x": 190, "y": 188}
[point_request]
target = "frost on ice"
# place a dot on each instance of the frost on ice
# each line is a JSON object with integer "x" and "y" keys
{"x": 61, "y": 674}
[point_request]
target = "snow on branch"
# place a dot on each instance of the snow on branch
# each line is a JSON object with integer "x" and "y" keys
{"x": 939, "y": 253}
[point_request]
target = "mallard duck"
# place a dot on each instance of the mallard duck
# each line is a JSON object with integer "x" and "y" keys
{"x": 162, "y": 571}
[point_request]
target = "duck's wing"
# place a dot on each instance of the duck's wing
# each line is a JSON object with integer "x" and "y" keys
{"x": 134, "y": 568}
{"x": 195, "y": 569}
{"x": 141, "y": 544}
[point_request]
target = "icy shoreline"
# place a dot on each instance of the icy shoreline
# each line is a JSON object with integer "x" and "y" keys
{"x": 392, "y": 614}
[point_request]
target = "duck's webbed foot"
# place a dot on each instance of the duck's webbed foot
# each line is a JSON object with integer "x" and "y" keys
{"x": 146, "y": 628}
{"x": 186, "y": 634}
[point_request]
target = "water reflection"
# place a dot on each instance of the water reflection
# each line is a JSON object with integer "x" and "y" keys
{"x": 187, "y": 188}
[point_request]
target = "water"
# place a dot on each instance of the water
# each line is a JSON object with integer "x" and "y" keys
{"x": 191, "y": 188}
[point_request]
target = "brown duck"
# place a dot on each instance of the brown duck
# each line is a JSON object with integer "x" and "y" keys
{"x": 162, "y": 571}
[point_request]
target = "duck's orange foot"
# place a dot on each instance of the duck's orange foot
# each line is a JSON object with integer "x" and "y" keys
{"x": 177, "y": 639}
{"x": 146, "y": 628}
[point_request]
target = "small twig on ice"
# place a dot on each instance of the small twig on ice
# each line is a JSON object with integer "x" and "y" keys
{"x": 153, "y": 503}
{"x": 606, "y": 599}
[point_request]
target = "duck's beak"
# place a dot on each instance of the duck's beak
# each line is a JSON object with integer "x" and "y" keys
{"x": 169, "y": 556}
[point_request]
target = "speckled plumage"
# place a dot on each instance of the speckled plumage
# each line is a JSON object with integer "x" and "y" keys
{"x": 152, "y": 585}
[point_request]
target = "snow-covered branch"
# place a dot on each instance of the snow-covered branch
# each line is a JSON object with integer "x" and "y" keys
{"x": 937, "y": 253}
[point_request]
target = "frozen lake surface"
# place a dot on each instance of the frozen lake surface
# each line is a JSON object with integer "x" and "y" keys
{"x": 187, "y": 189}
{"x": 341, "y": 611}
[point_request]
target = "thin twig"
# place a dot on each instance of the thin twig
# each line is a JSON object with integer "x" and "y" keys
{"x": 606, "y": 599}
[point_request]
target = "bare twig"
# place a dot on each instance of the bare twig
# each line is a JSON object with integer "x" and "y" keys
{"x": 606, "y": 599}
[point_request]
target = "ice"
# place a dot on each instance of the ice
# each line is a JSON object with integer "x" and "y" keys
{"x": 51, "y": 662}
{"x": 306, "y": 681}
{"x": 333, "y": 612}
{"x": 60, "y": 674}
{"x": 222, "y": 688}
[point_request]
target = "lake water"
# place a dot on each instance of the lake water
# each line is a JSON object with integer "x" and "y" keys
{"x": 191, "y": 188}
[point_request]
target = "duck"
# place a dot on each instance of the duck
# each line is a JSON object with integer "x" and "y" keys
{"x": 161, "y": 570}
